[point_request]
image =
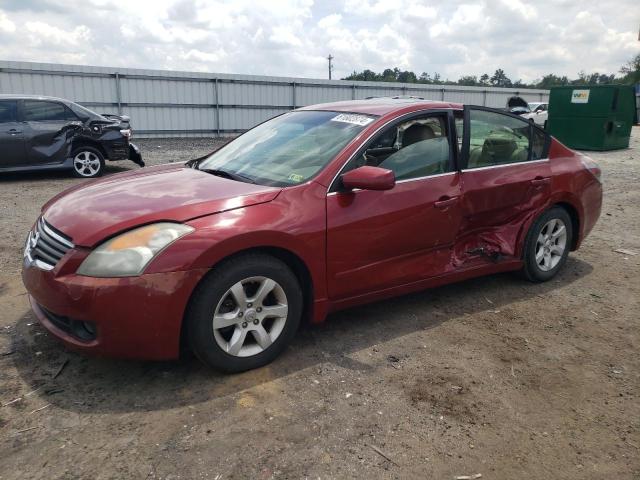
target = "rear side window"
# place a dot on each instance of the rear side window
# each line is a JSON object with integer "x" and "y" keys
{"x": 8, "y": 111}
{"x": 38, "y": 111}
{"x": 539, "y": 144}
{"x": 497, "y": 139}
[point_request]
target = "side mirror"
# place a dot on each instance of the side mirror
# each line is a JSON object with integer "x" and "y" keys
{"x": 369, "y": 178}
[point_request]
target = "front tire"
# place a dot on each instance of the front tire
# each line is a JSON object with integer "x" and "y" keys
{"x": 88, "y": 162}
{"x": 547, "y": 245}
{"x": 244, "y": 313}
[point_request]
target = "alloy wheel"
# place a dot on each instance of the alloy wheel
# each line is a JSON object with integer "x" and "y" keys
{"x": 86, "y": 163}
{"x": 250, "y": 316}
{"x": 551, "y": 244}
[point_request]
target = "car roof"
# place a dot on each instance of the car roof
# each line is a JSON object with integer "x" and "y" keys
{"x": 383, "y": 105}
{"x": 10, "y": 96}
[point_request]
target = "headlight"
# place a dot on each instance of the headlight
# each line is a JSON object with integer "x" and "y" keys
{"x": 127, "y": 133}
{"x": 128, "y": 254}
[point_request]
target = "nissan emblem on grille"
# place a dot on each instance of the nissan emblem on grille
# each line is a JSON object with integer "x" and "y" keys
{"x": 45, "y": 246}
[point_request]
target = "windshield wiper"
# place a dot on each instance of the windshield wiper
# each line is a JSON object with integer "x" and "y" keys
{"x": 226, "y": 174}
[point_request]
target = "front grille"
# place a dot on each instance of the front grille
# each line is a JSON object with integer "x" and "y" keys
{"x": 46, "y": 245}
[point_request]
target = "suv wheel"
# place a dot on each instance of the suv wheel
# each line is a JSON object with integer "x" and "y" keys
{"x": 88, "y": 162}
{"x": 244, "y": 313}
{"x": 547, "y": 245}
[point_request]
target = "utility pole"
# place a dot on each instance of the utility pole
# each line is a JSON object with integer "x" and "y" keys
{"x": 330, "y": 57}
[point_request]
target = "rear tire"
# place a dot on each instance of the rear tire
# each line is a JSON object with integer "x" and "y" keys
{"x": 547, "y": 245}
{"x": 244, "y": 312}
{"x": 88, "y": 162}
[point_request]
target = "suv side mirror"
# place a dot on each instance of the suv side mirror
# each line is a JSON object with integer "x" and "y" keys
{"x": 369, "y": 178}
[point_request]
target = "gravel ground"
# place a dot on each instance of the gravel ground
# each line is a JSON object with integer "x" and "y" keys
{"x": 492, "y": 376}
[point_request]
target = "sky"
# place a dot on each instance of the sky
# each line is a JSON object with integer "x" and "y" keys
{"x": 294, "y": 37}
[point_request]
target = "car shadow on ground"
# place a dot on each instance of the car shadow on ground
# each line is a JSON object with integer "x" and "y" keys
{"x": 87, "y": 384}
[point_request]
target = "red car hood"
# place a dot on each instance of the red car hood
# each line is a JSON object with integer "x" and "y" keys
{"x": 91, "y": 212}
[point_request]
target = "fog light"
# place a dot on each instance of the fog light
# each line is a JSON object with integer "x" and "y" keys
{"x": 90, "y": 328}
{"x": 84, "y": 330}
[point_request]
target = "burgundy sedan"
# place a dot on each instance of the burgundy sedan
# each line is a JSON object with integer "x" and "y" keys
{"x": 318, "y": 209}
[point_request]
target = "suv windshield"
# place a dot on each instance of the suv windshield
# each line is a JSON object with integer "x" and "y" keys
{"x": 289, "y": 149}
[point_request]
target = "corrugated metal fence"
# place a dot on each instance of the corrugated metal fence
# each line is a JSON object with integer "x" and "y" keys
{"x": 167, "y": 103}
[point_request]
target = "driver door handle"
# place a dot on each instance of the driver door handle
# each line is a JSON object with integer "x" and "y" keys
{"x": 13, "y": 131}
{"x": 445, "y": 201}
{"x": 540, "y": 181}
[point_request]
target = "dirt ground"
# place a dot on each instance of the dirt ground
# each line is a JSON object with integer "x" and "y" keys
{"x": 493, "y": 376}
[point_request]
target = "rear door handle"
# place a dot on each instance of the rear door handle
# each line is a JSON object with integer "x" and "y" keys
{"x": 540, "y": 181}
{"x": 445, "y": 202}
{"x": 13, "y": 131}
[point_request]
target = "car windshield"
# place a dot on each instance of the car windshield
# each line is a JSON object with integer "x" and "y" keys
{"x": 533, "y": 106}
{"x": 287, "y": 150}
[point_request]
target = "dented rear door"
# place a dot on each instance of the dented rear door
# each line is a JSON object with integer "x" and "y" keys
{"x": 506, "y": 178}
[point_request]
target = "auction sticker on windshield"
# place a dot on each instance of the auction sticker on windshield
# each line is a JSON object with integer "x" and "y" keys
{"x": 355, "y": 119}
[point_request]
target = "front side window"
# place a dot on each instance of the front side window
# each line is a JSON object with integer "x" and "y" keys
{"x": 8, "y": 111}
{"x": 411, "y": 149}
{"x": 497, "y": 139}
{"x": 289, "y": 149}
{"x": 43, "y": 111}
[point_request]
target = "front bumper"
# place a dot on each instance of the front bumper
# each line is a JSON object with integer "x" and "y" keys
{"x": 117, "y": 150}
{"x": 134, "y": 317}
{"x": 134, "y": 155}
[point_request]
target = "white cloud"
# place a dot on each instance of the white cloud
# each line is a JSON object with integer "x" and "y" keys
{"x": 6, "y": 25}
{"x": 284, "y": 36}
{"x": 49, "y": 37}
{"x": 294, "y": 37}
{"x": 330, "y": 20}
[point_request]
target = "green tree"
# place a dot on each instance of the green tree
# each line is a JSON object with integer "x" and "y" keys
{"x": 500, "y": 79}
{"x": 552, "y": 80}
{"x": 390, "y": 75}
{"x": 468, "y": 80}
{"x": 424, "y": 78}
{"x": 407, "y": 77}
{"x": 366, "y": 75}
{"x": 631, "y": 71}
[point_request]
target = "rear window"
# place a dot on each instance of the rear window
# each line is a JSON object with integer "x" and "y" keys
{"x": 8, "y": 111}
{"x": 37, "y": 110}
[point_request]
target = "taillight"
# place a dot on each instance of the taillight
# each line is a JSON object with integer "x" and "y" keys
{"x": 593, "y": 167}
{"x": 127, "y": 133}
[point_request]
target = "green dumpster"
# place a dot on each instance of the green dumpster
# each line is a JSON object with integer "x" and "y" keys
{"x": 592, "y": 117}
